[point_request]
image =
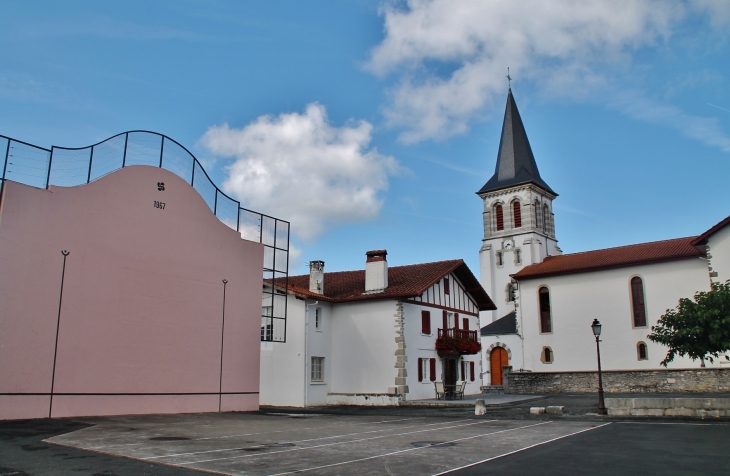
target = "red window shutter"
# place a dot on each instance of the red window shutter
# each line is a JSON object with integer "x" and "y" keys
{"x": 420, "y": 370}
{"x": 456, "y": 320}
{"x": 500, "y": 218}
{"x": 446, "y": 286}
{"x": 426, "y": 322}
{"x": 463, "y": 373}
{"x": 466, "y": 323}
{"x": 446, "y": 321}
{"x": 517, "y": 211}
{"x": 471, "y": 371}
{"x": 432, "y": 370}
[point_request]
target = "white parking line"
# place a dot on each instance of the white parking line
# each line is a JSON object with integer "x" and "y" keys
{"x": 302, "y": 441}
{"x": 517, "y": 451}
{"x": 408, "y": 450}
{"x": 668, "y": 423}
{"x": 331, "y": 444}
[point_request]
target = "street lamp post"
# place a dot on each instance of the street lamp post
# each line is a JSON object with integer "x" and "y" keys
{"x": 596, "y": 326}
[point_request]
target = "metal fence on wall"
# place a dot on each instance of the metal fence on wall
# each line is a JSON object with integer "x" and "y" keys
{"x": 66, "y": 167}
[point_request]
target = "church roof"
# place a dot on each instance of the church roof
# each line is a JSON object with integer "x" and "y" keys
{"x": 502, "y": 326}
{"x": 702, "y": 239}
{"x": 643, "y": 253}
{"x": 403, "y": 282}
{"x": 515, "y": 163}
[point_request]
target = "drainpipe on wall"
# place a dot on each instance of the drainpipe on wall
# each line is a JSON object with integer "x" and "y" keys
{"x": 306, "y": 356}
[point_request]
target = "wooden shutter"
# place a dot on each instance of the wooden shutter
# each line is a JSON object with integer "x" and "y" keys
{"x": 432, "y": 369}
{"x": 517, "y": 212}
{"x": 500, "y": 218}
{"x": 446, "y": 322}
{"x": 463, "y": 370}
{"x": 446, "y": 286}
{"x": 426, "y": 322}
{"x": 456, "y": 320}
{"x": 471, "y": 371}
{"x": 420, "y": 370}
{"x": 466, "y": 323}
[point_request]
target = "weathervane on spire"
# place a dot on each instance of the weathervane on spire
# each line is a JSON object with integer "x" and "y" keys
{"x": 509, "y": 80}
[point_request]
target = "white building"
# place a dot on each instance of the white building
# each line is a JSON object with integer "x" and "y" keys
{"x": 369, "y": 336}
{"x": 546, "y": 300}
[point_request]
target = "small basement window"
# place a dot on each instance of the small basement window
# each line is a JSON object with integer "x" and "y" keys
{"x": 641, "y": 351}
{"x": 547, "y": 356}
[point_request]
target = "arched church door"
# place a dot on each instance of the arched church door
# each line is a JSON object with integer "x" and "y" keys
{"x": 497, "y": 360}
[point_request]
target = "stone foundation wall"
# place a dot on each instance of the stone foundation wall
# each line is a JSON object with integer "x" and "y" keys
{"x": 627, "y": 381}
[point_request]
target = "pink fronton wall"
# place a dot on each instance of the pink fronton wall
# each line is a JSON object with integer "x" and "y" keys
{"x": 141, "y": 326}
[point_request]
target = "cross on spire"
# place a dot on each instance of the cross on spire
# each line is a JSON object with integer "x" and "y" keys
{"x": 509, "y": 80}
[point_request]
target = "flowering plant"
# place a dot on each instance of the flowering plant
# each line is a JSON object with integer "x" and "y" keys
{"x": 456, "y": 345}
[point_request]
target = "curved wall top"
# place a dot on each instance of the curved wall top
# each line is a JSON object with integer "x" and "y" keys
{"x": 67, "y": 167}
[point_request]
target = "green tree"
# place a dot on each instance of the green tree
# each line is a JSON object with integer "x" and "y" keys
{"x": 699, "y": 329}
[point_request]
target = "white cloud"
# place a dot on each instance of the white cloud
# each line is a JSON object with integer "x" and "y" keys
{"x": 450, "y": 57}
{"x": 301, "y": 168}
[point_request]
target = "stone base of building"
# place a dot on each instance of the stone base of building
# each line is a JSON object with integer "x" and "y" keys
{"x": 364, "y": 399}
{"x": 620, "y": 381}
{"x": 679, "y": 407}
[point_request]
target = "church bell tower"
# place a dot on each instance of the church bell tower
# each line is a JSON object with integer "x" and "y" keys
{"x": 519, "y": 229}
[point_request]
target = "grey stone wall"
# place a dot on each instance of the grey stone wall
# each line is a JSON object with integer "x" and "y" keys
{"x": 630, "y": 381}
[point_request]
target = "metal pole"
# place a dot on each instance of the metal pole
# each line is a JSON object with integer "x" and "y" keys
{"x": 58, "y": 324}
{"x": 91, "y": 160}
{"x": 50, "y": 162}
{"x": 601, "y": 405}
{"x": 223, "y": 327}
{"x": 162, "y": 150}
{"x": 124, "y": 159}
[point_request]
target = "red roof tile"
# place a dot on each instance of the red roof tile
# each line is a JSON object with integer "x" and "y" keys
{"x": 680, "y": 248}
{"x": 702, "y": 239}
{"x": 403, "y": 282}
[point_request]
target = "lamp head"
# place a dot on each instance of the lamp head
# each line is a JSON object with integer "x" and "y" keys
{"x": 596, "y": 326}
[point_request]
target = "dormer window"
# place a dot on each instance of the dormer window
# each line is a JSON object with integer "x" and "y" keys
{"x": 500, "y": 217}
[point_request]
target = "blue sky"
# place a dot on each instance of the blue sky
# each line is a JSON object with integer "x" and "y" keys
{"x": 371, "y": 124}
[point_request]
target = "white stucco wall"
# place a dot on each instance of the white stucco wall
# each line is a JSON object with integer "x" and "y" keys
{"x": 363, "y": 347}
{"x": 319, "y": 345}
{"x": 577, "y": 299}
{"x": 719, "y": 249}
{"x": 282, "y": 364}
{"x": 419, "y": 345}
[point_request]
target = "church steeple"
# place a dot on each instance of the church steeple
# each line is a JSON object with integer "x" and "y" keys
{"x": 515, "y": 163}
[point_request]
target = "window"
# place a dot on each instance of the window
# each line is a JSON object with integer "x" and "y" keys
{"x": 546, "y": 357}
{"x": 518, "y": 257}
{"x": 637, "y": 301}
{"x": 511, "y": 292}
{"x": 546, "y": 324}
{"x": 267, "y": 325}
{"x": 641, "y": 351}
{"x": 538, "y": 215}
{"x": 432, "y": 370}
{"x": 446, "y": 285}
{"x": 500, "y": 260}
{"x": 423, "y": 368}
{"x": 500, "y": 217}
{"x": 517, "y": 214}
{"x": 318, "y": 318}
{"x": 465, "y": 321}
{"x": 471, "y": 371}
{"x": 317, "y": 369}
{"x": 425, "y": 322}
{"x": 545, "y": 218}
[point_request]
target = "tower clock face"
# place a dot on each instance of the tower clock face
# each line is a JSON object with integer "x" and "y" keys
{"x": 508, "y": 244}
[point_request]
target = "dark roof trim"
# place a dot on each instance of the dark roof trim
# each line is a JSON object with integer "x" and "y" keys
{"x": 702, "y": 239}
{"x": 502, "y": 326}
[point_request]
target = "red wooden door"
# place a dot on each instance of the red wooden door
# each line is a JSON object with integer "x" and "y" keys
{"x": 497, "y": 360}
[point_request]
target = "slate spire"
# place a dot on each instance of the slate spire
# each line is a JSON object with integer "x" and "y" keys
{"x": 515, "y": 162}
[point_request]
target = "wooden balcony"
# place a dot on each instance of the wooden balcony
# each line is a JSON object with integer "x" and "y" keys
{"x": 458, "y": 334}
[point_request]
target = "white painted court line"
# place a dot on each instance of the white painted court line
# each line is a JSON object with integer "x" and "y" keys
{"x": 331, "y": 444}
{"x": 519, "y": 450}
{"x": 669, "y": 423}
{"x": 147, "y": 442}
{"x": 408, "y": 450}
{"x": 301, "y": 441}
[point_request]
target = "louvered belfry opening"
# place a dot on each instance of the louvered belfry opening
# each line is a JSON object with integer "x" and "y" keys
{"x": 500, "y": 218}
{"x": 517, "y": 214}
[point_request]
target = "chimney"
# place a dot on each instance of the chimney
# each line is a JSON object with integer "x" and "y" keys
{"x": 376, "y": 271}
{"x": 316, "y": 277}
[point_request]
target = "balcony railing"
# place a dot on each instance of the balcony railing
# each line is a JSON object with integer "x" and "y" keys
{"x": 458, "y": 334}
